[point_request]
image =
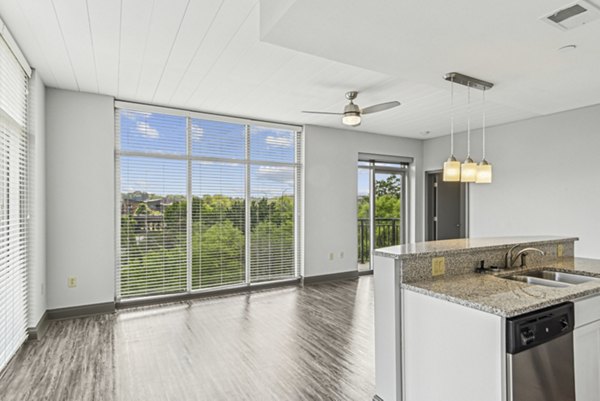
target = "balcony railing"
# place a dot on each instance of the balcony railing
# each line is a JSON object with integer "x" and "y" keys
{"x": 387, "y": 233}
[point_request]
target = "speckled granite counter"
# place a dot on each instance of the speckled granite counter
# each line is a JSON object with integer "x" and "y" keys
{"x": 464, "y": 245}
{"x": 494, "y": 294}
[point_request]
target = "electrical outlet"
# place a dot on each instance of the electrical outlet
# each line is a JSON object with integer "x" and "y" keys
{"x": 72, "y": 282}
{"x": 342, "y": 255}
{"x": 560, "y": 249}
{"x": 438, "y": 266}
{"x": 331, "y": 256}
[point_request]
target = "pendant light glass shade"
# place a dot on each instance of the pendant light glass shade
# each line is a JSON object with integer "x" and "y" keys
{"x": 451, "y": 166}
{"x": 451, "y": 170}
{"x": 468, "y": 171}
{"x": 484, "y": 173}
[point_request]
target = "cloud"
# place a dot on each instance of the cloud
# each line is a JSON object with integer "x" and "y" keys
{"x": 143, "y": 128}
{"x": 282, "y": 175}
{"x": 197, "y": 132}
{"x": 279, "y": 141}
{"x": 134, "y": 115}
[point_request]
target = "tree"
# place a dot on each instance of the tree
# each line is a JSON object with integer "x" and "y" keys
{"x": 392, "y": 185}
{"x": 142, "y": 208}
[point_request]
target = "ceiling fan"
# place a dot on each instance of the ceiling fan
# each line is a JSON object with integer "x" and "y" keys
{"x": 352, "y": 113}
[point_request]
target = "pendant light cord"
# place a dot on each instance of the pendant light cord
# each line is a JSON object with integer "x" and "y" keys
{"x": 452, "y": 116}
{"x": 483, "y": 129}
{"x": 468, "y": 120}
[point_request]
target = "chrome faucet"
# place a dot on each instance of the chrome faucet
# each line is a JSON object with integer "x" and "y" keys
{"x": 510, "y": 259}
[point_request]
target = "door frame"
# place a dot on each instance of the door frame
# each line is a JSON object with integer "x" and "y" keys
{"x": 465, "y": 196}
{"x": 404, "y": 223}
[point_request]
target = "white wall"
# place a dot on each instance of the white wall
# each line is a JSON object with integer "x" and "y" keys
{"x": 80, "y": 209}
{"x": 545, "y": 178}
{"x": 331, "y": 157}
{"x": 37, "y": 185}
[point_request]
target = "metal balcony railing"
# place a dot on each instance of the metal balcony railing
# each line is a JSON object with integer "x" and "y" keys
{"x": 387, "y": 233}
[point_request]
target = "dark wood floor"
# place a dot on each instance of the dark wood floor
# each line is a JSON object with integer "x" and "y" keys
{"x": 311, "y": 343}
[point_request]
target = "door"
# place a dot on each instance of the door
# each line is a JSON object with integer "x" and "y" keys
{"x": 446, "y": 208}
{"x": 381, "y": 208}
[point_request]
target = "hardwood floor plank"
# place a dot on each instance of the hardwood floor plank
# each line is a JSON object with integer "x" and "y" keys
{"x": 295, "y": 343}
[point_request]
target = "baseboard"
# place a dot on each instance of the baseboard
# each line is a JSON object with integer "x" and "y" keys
{"x": 81, "y": 311}
{"x": 365, "y": 272}
{"x": 222, "y": 292}
{"x": 330, "y": 277}
{"x": 37, "y": 332}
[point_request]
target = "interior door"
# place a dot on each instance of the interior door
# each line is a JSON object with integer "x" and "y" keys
{"x": 446, "y": 208}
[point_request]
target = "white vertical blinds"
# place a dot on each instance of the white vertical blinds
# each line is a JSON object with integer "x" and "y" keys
{"x": 242, "y": 182}
{"x": 13, "y": 203}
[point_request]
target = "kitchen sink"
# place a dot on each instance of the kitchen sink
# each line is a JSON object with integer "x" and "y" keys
{"x": 561, "y": 277}
{"x": 550, "y": 278}
{"x": 537, "y": 281}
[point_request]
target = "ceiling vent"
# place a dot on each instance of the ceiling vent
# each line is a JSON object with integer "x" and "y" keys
{"x": 574, "y": 15}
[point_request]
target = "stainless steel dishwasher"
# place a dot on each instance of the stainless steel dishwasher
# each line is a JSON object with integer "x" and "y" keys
{"x": 539, "y": 348}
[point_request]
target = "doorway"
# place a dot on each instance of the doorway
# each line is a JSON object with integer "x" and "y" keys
{"x": 446, "y": 205}
{"x": 381, "y": 208}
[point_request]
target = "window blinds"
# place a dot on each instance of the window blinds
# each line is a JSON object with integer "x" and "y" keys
{"x": 13, "y": 203}
{"x": 204, "y": 203}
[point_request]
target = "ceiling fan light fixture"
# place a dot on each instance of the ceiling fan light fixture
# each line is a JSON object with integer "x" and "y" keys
{"x": 352, "y": 119}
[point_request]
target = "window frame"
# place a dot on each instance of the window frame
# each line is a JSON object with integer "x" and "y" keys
{"x": 297, "y": 164}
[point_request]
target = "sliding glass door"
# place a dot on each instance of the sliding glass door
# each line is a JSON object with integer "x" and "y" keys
{"x": 204, "y": 203}
{"x": 381, "y": 208}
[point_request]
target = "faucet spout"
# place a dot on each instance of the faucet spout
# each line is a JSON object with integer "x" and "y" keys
{"x": 510, "y": 259}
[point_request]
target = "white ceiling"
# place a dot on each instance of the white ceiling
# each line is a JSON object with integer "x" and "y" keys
{"x": 213, "y": 56}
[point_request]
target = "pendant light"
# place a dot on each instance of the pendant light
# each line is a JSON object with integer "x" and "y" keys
{"x": 484, "y": 169}
{"x": 468, "y": 170}
{"x": 451, "y": 166}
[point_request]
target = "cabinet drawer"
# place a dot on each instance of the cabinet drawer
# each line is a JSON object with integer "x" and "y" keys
{"x": 587, "y": 310}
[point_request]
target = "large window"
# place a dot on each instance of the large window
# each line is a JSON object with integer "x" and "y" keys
{"x": 204, "y": 203}
{"x": 13, "y": 203}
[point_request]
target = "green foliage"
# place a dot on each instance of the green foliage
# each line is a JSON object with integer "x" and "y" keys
{"x": 392, "y": 186}
{"x": 154, "y": 244}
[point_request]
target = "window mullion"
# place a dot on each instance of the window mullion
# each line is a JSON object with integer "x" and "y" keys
{"x": 189, "y": 220}
{"x": 248, "y": 210}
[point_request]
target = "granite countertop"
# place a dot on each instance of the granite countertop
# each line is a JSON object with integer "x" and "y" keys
{"x": 463, "y": 245}
{"x": 494, "y": 294}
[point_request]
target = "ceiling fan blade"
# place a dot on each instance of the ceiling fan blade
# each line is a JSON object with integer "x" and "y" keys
{"x": 380, "y": 107}
{"x": 322, "y": 112}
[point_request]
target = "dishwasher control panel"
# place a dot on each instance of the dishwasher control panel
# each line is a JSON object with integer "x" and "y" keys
{"x": 535, "y": 328}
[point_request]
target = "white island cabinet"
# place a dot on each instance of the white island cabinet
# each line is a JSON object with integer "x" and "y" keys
{"x": 451, "y": 352}
{"x": 586, "y": 343}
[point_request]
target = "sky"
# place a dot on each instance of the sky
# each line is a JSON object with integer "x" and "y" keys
{"x": 165, "y": 134}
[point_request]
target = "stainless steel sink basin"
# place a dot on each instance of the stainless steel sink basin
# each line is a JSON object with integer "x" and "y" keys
{"x": 551, "y": 278}
{"x": 568, "y": 278}
{"x": 537, "y": 281}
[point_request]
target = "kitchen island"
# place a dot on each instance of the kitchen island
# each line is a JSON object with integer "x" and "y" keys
{"x": 430, "y": 305}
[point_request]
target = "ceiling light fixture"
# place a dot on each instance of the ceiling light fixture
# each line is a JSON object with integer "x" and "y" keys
{"x": 484, "y": 169}
{"x": 468, "y": 170}
{"x": 451, "y": 166}
{"x": 351, "y": 118}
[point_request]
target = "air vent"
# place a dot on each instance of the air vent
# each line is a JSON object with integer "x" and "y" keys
{"x": 574, "y": 15}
